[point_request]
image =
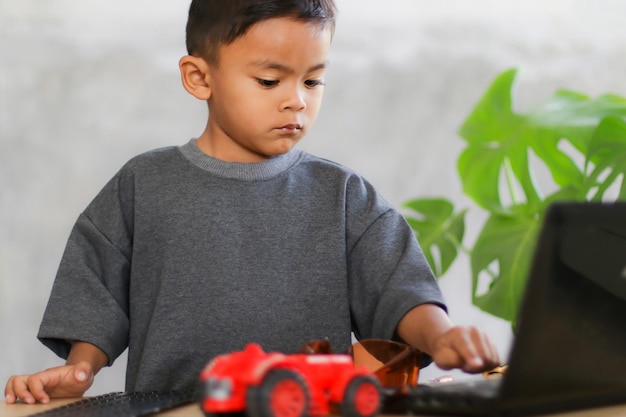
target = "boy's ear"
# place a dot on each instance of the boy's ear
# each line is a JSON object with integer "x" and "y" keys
{"x": 194, "y": 73}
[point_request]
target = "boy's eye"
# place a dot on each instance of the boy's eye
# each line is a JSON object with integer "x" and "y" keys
{"x": 313, "y": 83}
{"x": 267, "y": 83}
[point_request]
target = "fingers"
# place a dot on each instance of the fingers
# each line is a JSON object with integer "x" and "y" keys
{"x": 71, "y": 381}
{"x": 482, "y": 354}
{"x": 37, "y": 384}
{"x": 466, "y": 348}
{"x": 447, "y": 358}
{"x": 64, "y": 381}
{"x": 9, "y": 391}
{"x": 19, "y": 388}
{"x": 83, "y": 372}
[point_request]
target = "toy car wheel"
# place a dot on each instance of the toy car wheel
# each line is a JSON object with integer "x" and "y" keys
{"x": 362, "y": 397}
{"x": 282, "y": 393}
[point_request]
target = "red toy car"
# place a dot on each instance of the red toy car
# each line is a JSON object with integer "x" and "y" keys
{"x": 279, "y": 385}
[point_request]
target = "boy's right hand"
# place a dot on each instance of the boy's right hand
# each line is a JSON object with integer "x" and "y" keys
{"x": 59, "y": 382}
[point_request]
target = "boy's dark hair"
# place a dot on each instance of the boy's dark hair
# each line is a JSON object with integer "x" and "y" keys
{"x": 213, "y": 23}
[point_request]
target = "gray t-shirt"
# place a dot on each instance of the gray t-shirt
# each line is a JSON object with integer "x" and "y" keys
{"x": 182, "y": 257}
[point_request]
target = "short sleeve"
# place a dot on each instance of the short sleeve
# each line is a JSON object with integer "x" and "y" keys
{"x": 89, "y": 298}
{"x": 388, "y": 274}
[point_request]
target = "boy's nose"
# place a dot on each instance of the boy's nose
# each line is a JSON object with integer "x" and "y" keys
{"x": 295, "y": 100}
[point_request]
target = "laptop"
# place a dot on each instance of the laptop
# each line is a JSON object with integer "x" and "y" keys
{"x": 569, "y": 350}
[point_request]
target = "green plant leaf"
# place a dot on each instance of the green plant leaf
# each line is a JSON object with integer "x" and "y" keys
{"x": 479, "y": 169}
{"x": 607, "y": 155}
{"x": 500, "y": 140}
{"x": 486, "y": 131}
{"x": 572, "y": 117}
{"x": 438, "y": 229}
{"x": 502, "y": 253}
{"x": 492, "y": 118}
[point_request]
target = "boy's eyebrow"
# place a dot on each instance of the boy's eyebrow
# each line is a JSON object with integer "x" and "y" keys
{"x": 284, "y": 68}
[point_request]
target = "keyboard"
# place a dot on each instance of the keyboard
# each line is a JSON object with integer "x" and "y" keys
{"x": 120, "y": 404}
{"x": 443, "y": 396}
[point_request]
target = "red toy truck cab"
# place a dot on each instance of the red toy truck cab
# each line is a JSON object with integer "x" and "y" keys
{"x": 278, "y": 385}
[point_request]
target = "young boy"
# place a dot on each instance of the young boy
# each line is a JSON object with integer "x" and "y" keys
{"x": 238, "y": 236}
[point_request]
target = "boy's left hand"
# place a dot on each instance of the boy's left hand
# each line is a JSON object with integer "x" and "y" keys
{"x": 466, "y": 348}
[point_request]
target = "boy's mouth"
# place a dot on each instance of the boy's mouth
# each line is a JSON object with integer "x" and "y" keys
{"x": 290, "y": 128}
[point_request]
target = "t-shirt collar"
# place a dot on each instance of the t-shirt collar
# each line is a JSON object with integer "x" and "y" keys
{"x": 247, "y": 171}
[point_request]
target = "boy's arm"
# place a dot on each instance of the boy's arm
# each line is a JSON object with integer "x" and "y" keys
{"x": 428, "y": 328}
{"x": 69, "y": 380}
{"x": 86, "y": 352}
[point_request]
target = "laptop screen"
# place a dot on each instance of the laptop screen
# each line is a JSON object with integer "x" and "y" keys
{"x": 570, "y": 341}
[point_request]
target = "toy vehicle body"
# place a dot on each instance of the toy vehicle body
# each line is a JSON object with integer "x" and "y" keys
{"x": 279, "y": 385}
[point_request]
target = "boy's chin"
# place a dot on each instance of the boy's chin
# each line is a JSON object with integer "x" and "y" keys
{"x": 281, "y": 147}
{"x": 266, "y": 151}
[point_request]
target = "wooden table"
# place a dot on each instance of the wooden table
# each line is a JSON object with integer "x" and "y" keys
{"x": 22, "y": 410}
{"x": 192, "y": 410}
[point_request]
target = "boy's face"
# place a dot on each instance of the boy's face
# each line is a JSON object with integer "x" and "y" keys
{"x": 266, "y": 90}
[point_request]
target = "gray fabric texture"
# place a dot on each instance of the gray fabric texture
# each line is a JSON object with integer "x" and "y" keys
{"x": 182, "y": 256}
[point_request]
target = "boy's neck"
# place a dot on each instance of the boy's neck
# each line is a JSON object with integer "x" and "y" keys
{"x": 228, "y": 151}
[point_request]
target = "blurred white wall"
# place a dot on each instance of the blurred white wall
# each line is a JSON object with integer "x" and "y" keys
{"x": 86, "y": 85}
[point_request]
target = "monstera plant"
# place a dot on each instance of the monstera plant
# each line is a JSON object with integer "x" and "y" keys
{"x": 576, "y": 142}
